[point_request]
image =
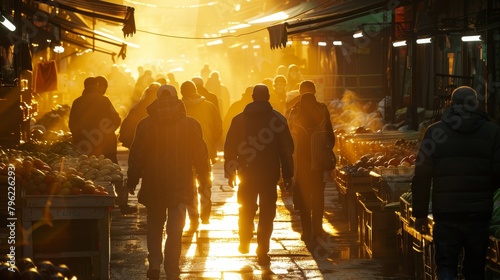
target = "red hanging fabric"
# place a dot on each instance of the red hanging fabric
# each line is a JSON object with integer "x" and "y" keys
{"x": 45, "y": 77}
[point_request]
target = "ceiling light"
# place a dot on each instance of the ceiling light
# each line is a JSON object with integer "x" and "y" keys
{"x": 213, "y": 43}
{"x": 337, "y": 43}
{"x": 357, "y": 34}
{"x": 58, "y": 49}
{"x": 322, "y": 44}
{"x": 305, "y": 43}
{"x": 9, "y": 25}
{"x": 473, "y": 38}
{"x": 424, "y": 41}
{"x": 239, "y": 26}
{"x": 399, "y": 44}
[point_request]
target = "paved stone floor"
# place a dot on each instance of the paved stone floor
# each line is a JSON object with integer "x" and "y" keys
{"x": 212, "y": 253}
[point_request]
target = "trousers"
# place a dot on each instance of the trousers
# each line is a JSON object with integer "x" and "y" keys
{"x": 267, "y": 195}
{"x": 156, "y": 217}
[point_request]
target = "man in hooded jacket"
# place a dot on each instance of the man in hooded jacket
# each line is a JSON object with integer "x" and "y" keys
{"x": 458, "y": 165}
{"x": 309, "y": 119}
{"x": 258, "y": 144}
{"x": 166, "y": 147}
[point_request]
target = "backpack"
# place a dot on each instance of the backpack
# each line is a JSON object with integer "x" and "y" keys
{"x": 321, "y": 147}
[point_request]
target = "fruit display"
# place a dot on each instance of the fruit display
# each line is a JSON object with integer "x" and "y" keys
{"x": 40, "y": 173}
{"x": 399, "y": 154}
{"x": 386, "y": 149}
{"x": 27, "y": 269}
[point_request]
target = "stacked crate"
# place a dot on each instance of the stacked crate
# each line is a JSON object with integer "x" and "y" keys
{"x": 72, "y": 230}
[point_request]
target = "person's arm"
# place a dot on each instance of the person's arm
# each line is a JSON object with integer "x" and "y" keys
{"x": 286, "y": 147}
{"x": 217, "y": 123}
{"x": 136, "y": 156}
{"x": 112, "y": 114}
{"x": 231, "y": 153}
{"x": 421, "y": 184}
{"x": 201, "y": 161}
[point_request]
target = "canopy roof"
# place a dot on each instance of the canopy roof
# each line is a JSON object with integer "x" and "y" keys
{"x": 329, "y": 14}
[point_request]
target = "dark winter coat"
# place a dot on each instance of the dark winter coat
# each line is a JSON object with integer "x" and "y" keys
{"x": 258, "y": 143}
{"x": 93, "y": 121}
{"x": 135, "y": 115}
{"x": 166, "y": 147}
{"x": 305, "y": 117}
{"x": 460, "y": 158}
{"x": 209, "y": 118}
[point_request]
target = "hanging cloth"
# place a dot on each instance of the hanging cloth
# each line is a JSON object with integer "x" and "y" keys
{"x": 45, "y": 77}
{"x": 278, "y": 35}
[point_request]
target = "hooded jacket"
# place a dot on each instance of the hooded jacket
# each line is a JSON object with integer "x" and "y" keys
{"x": 459, "y": 157}
{"x": 258, "y": 143}
{"x": 166, "y": 147}
{"x": 93, "y": 121}
{"x": 209, "y": 118}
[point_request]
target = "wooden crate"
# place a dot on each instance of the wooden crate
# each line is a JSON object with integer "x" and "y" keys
{"x": 52, "y": 227}
{"x": 381, "y": 227}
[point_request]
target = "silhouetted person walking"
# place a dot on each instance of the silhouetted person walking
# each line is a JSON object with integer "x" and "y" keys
{"x": 313, "y": 137}
{"x": 458, "y": 165}
{"x": 166, "y": 146}
{"x": 257, "y": 145}
{"x": 207, "y": 115}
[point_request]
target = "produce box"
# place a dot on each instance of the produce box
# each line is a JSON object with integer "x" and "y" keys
{"x": 348, "y": 185}
{"x": 70, "y": 229}
{"x": 69, "y": 201}
{"x": 494, "y": 250}
{"x": 391, "y": 191}
{"x": 380, "y": 229}
{"x": 353, "y": 146}
{"x": 405, "y": 209}
{"x": 352, "y": 183}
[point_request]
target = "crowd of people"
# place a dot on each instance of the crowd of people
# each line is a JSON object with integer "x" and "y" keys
{"x": 174, "y": 134}
{"x": 278, "y": 135}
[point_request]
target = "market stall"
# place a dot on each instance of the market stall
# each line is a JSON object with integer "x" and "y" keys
{"x": 63, "y": 204}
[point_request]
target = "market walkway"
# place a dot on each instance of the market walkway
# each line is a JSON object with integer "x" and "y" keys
{"x": 213, "y": 254}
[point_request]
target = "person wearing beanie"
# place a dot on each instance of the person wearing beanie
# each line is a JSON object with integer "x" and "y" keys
{"x": 167, "y": 146}
{"x": 210, "y": 121}
{"x": 258, "y": 148}
{"x": 457, "y": 171}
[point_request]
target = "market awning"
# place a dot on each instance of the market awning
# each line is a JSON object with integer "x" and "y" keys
{"x": 71, "y": 28}
{"x": 324, "y": 17}
{"x": 99, "y": 9}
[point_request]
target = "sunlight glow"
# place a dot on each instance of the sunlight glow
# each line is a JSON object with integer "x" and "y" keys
{"x": 270, "y": 18}
{"x": 116, "y": 39}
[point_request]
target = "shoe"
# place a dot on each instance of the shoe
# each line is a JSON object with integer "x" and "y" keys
{"x": 153, "y": 274}
{"x": 244, "y": 247}
{"x": 263, "y": 259}
{"x": 126, "y": 209}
